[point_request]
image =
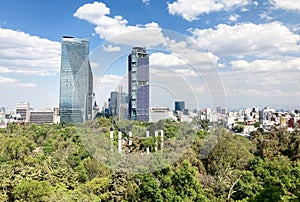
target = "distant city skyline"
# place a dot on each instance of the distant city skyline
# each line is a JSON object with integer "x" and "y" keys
{"x": 254, "y": 45}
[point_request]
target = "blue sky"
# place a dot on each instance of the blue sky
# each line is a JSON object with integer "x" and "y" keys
{"x": 253, "y": 46}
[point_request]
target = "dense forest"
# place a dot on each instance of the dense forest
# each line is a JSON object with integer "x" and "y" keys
{"x": 50, "y": 163}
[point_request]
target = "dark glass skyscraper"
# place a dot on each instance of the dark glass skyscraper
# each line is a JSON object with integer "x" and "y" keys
{"x": 76, "y": 81}
{"x": 138, "y": 84}
{"x": 179, "y": 106}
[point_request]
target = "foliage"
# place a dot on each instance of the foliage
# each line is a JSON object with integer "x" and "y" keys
{"x": 257, "y": 124}
{"x": 50, "y": 163}
{"x": 238, "y": 128}
{"x": 32, "y": 190}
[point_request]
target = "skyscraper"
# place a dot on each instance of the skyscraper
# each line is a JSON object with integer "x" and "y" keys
{"x": 138, "y": 84}
{"x": 118, "y": 104}
{"x": 179, "y": 106}
{"x": 76, "y": 81}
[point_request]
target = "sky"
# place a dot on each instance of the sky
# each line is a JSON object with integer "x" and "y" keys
{"x": 230, "y": 53}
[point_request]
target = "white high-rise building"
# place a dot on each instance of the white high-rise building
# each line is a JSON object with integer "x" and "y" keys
{"x": 23, "y": 108}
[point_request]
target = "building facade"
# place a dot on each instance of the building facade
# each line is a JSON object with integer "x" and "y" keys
{"x": 118, "y": 104}
{"x": 42, "y": 117}
{"x": 138, "y": 84}
{"x": 76, "y": 81}
{"x": 179, "y": 106}
{"x": 23, "y": 109}
{"x": 160, "y": 113}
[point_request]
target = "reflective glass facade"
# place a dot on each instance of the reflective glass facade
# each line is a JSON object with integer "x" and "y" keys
{"x": 138, "y": 84}
{"x": 179, "y": 106}
{"x": 76, "y": 81}
{"x": 118, "y": 104}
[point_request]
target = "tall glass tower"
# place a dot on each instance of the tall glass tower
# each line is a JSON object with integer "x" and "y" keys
{"x": 76, "y": 81}
{"x": 138, "y": 84}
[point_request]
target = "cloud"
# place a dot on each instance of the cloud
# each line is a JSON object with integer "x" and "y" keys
{"x": 263, "y": 93}
{"x": 267, "y": 65}
{"x": 25, "y": 54}
{"x": 260, "y": 88}
{"x": 93, "y": 12}
{"x": 191, "y": 9}
{"x": 107, "y": 83}
{"x": 234, "y": 17}
{"x": 110, "y": 78}
{"x": 243, "y": 10}
{"x": 15, "y": 82}
{"x": 111, "y": 48}
{"x": 187, "y": 72}
{"x": 247, "y": 39}
{"x": 201, "y": 89}
{"x": 165, "y": 60}
{"x": 27, "y": 71}
{"x": 146, "y": 2}
{"x": 286, "y": 4}
{"x": 266, "y": 16}
{"x": 116, "y": 28}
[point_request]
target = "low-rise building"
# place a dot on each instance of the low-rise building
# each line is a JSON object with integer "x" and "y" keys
{"x": 42, "y": 116}
{"x": 159, "y": 113}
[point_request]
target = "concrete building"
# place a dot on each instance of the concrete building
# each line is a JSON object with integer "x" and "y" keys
{"x": 42, "y": 116}
{"x": 159, "y": 113}
{"x": 23, "y": 108}
{"x": 56, "y": 116}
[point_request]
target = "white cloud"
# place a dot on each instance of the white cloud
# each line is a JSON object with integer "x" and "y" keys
{"x": 201, "y": 89}
{"x": 165, "y": 60}
{"x": 183, "y": 56}
{"x": 146, "y": 2}
{"x": 109, "y": 79}
{"x": 27, "y": 71}
{"x": 286, "y": 4}
{"x": 25, "y": 54}
{"x": 191, "y": 9}
{"x": 213, "y": 58}
{"x": 190, "y": 53}
{"x": 259, "y": 92}
{"x": 111, "y": 48}
{"x": 115, "y": 28}
{"x": 187, "y": 72}
{"x": 92, "y": 12}
{"x": 247, "y": 39}
{"x": 244, "y": 10}
{"x": 7, "y": 80}
{"x": 107, "y": 83}
{"x": 15, "y": 82}
{"x": 267, "y": 65}
{"x": 234, "y": 17}
{"x": 266, "y": 16}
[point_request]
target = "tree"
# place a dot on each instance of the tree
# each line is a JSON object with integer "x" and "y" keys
{"x": 186, "y": 185}
{"x": 16, "y": 147}
{"x": 228, "y": 158}
{"x": 32, "y": 190}
{"x": 257, "y": 124}
{"x": 171, "y": 129}
{"x": 238, "y": 128}
{"x": 149, "y": 189}
{"x": 279, "y": 179}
